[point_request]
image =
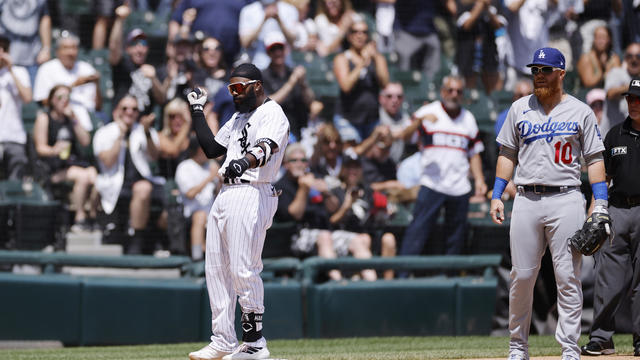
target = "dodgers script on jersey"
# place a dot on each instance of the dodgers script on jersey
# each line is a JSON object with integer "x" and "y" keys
{"x": 447, "y": 144}
{"x": 242, "y": 131}
{"x": 550, "y": 145}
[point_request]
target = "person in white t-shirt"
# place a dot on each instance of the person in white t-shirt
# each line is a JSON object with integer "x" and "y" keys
{"x": 15, "y": 90}
{"x": 197, "y": 179}
{"x": 260, "y": 18}
{"x": 66, "y": 69}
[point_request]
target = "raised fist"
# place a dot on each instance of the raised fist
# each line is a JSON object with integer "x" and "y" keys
{"x": 197, "y": 98}
{"x": 236, "y": 168}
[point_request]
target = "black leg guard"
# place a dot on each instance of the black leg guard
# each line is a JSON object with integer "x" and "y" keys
{"x": 251, "y": 327}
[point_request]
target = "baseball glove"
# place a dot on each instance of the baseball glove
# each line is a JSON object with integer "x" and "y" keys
{"x": 595, "y": 230}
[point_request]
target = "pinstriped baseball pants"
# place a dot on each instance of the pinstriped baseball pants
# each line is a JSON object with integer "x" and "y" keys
{"x": 538, "y": 221}
{"x": 236, "y": 229}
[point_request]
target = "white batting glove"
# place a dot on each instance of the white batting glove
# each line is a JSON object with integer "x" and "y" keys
{"x": 197, "y": 98}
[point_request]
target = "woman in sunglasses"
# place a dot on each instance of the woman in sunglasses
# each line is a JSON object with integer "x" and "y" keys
{"x": 361, "y": 71}
{"x": 58, "y": 138}
{"x": 212, "y": 69}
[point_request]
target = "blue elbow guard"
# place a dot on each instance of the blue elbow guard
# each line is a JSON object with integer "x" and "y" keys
{"x": 599, "y": 190}
{"x": 498, "y": 188}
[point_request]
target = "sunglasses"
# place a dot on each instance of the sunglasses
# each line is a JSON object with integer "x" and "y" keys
{"x": 136, "y": 42}
{"x": 633, "y": 100}
{"x": 543, "y": 69}
{"x": 171, "y": 116}
{"x": 629, "y": 56}
{"x": 62, "y": 96}
{"x": 360, "y": 32}
{"x": 390, "y": 96}
{"x": 302, "y": 160}
{"x": 239, "y": 87}
{"x": 127, "y": 108}
{"x": 215, "y": 48}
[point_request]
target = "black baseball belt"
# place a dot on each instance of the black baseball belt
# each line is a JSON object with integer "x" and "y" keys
{"x": 545, "y": 189}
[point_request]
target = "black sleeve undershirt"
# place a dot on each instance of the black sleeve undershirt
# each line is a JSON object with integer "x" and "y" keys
{"x": 205, "y": 137}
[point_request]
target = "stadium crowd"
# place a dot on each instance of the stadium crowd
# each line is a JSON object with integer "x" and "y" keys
{"x": 364, "y": 84}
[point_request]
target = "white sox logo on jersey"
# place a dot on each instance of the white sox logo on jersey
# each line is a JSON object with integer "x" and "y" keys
{"x": 444, "y": 139}
{"x": 531, "y": 132}
{"x": 244, "y": 144}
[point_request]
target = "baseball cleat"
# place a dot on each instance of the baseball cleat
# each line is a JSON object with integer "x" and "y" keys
{"x": 248, "y": 352}
{"x": 594, "y": 348}
{"x": 207, "y": 353}
{"x": 517, "y": 356}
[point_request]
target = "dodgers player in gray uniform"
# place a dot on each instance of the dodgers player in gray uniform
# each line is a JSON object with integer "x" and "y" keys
{"x": 254, "y": 141}
{"x": 545, "y": 134}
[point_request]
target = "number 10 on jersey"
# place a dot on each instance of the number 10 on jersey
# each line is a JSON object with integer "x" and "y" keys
{"x": 563, "y": 153}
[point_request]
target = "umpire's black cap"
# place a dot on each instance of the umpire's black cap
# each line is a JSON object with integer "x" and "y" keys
{"x": 634, "y": 88}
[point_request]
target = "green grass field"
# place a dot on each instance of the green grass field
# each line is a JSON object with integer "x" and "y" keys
{"x": 388, "y": 348}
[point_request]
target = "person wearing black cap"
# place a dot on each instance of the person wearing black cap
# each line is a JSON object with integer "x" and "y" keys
{"x": 546, "y": 134}
{"x": 132, "y": 74}
{"x": 254, "y": 142}
{"x": 618, "y": 262}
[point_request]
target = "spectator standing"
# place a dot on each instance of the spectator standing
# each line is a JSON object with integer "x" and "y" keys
{"x": 476, "y": 53}
{"x": 224, "y": 28}
{"x": 450, "y": 149}
{"x": 333, "y": 21}
{"x": 361, "y": 71}
{"x": 261, "y": 18}
{"x": 528, "y": 29}
{"x": 392, "y": 115}
{"x": 615, "y": 83}
{"x": 58, "y": 137}
{"x": 66, "y": 69}
{"x": 15, "y": 90}
{"x": 123, "y": 149}
{"x": 415, "y": 33}
{"x": 27, "y": 25}
{"x": 173, "y": 139}
{"x": 197, "y": 178}
{"x": 618, "y": 262}
{"x": 594, "y": 65}
{"x": 287, "y": 86}
{"x": 132, "y": 74}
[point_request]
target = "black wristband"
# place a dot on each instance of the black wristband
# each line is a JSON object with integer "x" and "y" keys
{"x": 197, "y": 107}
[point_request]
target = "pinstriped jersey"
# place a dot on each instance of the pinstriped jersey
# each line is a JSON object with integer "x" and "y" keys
{"x": 447, "y": 144}
{"x": 243, "y": 131}
{"x": 550, "y": 145}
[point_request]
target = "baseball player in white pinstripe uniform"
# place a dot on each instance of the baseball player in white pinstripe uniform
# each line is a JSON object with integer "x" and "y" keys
{"x": 254, "y": 141}
{"x": 545, "y": 134}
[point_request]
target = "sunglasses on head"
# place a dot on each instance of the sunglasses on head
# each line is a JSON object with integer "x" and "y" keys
{"x": 239, "y": 87}
{"x": 543, "y": 69}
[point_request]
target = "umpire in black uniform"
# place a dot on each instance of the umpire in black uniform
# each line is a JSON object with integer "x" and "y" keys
{"x": 618, "y": 262}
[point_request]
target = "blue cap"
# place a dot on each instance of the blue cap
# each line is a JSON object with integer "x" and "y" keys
{"x": 548, "y": 57}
